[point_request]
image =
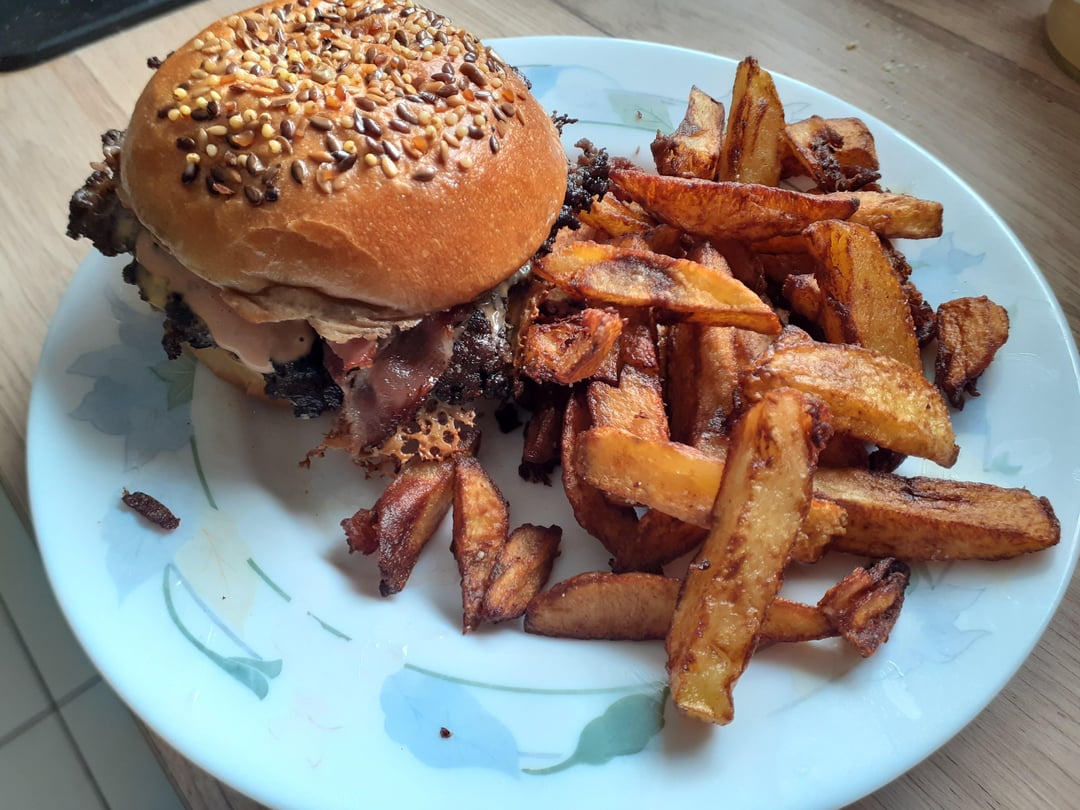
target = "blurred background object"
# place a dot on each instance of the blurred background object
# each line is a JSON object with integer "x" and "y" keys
{"x": 1063, "y": 29}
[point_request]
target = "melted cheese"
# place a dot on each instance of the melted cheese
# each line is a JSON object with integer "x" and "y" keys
{"x": 257, "y": 345}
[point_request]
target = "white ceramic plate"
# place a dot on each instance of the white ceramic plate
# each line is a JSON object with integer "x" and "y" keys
{"x": 256, "y": 646}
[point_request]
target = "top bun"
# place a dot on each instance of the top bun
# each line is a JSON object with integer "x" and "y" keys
{"x": 351, "y": 163}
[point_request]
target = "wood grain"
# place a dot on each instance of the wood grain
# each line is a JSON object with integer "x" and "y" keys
{"x": 971, "y": 80}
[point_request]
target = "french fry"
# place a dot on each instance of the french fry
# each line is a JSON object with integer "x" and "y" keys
{"x": 543, "y": 434}
{"x": 404, "y": 518}
{"x": 825, "y": 521}
{"x": 639, "y": 607}
{"x": 481, "y": 522}
{"x": 755, "y": 130}
{"x": 894, "y": 216}
{"x": 693, "y": 150}
{"x": 867, "y": 304}
{"x": 838, "y": 154}
{"x": 871, "y": 396}
{"x": 865, "y": 604}
{"x": 570, "y": 349}
{"x": 933, "y": 519}
{"x": 521, "y": 570}
{"x": 660, "y": 540}
{"x": 761, "y": 504}
{"x": 725, "y": 210}
{"x": 635, "y": 405}
{"x": 613, "y": 525}
{"x": 969, "y": 333}
{"x": 617, "y": 218}
{"x": 601, "y": 605}
{"x": 682, "y": 289}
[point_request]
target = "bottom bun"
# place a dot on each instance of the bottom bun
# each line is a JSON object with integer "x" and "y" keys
{"x": 226, "y": 366}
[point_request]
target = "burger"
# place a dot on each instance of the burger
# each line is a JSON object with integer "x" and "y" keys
{"x": 329, "y": 202}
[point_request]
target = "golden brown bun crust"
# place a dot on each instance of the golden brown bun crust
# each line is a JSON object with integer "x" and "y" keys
{"x": 279, "y": 206}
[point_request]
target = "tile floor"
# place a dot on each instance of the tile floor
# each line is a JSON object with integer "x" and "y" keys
{"x": 66, "y": 740}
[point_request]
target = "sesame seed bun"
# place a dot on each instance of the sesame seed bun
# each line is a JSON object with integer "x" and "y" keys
{"x": 369, "y": 164}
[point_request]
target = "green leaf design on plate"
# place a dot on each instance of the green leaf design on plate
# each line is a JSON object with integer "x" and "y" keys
{"x": 179, "y": 377}
{"x": 641, "y": 110}
{"x": 624, "y": 728}
{"x": 1001, "y": 464}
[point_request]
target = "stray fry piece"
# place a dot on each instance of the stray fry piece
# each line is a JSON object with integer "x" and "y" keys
{"x": 762, "y": 502}
{"x": 403, "y": 520}
{"x": 481, "y": 522}
{"x": 865, "y": 604}
{"x": 873, "y": 397}
{"x": 543, "y": 434}
{"x": 725, "y": 210}
{"x": 894, "y": 216}
{"x": 570, "y": 349}
{"x": 617, "y": 218}
{"x": 639, "y": 278}
{"x": 601, "y": 605}
{"x": 755, "y": 130}
{"x": 969, "y": 332}
{"x": 934, "y": 519}
{"x": 152, "y": 509}
{"x": 794, "y": 622}
{"x": 867, "y": 303}
{"x": 693, "y": 150}
{"x": 661, "y": 539}
{"x": 635, "y": 405}
{"x": 836, "y": 153}
{"x": 521, "y": 570}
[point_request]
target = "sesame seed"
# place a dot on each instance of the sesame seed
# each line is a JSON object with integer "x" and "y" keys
{"x": 218, "y": 130}
{"x": 370, "y": 159}
{"x": 299, "y": 171}
{"x": 275, "y": 147}
{"x": 425, "y": 174}
{"x": 388, "y": 167}
{"x": 211, "y": 150}
{"x": 268, "y": 131}
{"x": 236, "y": 122}
{"x": 465, "y": 162}
{"x": 321, "y": 122}
{"x": 184, "y": 110}
{"x": 192, "y": 157}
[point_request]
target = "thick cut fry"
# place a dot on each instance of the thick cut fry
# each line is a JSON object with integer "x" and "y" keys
{"x": 730, "y": 210}
{"x": 481, "y": 521}
{"x": 865, "y": 604}
{"x": 660, "y": 540}
{"x": 867, "y": 303}
{"x": 636, "y": 405}
{"x": 838, "y": 154}
{"x": 543, "y": 433}
{"x": 601, "y": 605}
{"x": 693, "y": 150}
{"x": 969, "y": 332}
{"x": 869, "y": 395}
{"x": 639, "y": 607}
{"x": 683, "y": 289}
{"x": 932, "y": 519}
{"x": 570, "y": 349}
{"x": 895, "y": 216}
{"x": 752, "y": 142}
{"x": 763, "y": 499}
{"x": 404, "y": 518}
{"x": 613, "y": 525}
{"x": 824, "y": 522}
{"x": 521, "y": 571}
{"x": 617, "y": 218}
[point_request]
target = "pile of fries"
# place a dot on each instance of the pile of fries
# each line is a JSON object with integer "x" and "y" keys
{"x": 728, "y": 371}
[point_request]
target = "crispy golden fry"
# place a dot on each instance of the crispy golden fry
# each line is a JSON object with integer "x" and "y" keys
{"x": 803, "y": 294}
{"x": 969, "y": 333}
{"x": 570, "y": 349}
{"x": 637, "y": 344}
{"x": 639, "y": 607}
{"x": 763, "y": 499}
{"x": 794, "y": 622}
{"x": 836, "y": 153}
{"x": 778, "y": 266}
{"x": 600, "y": 605}
{"x": 865, "y": 604}
{"x": 681, "y": 379}
{"x": 861, "y": 291}
{"x": 616, "y": 218}
{"x": 403, "y": 520}
{"x": 752, "y": 142}
{"x": 844, "y": 450}
{"x": 895, "y": 216}
{"x": 481, "y": 522}
{"x": 792, "y": 244}
{"x": 869, "y": 395}
{"x": 932, "y": 519}
{"x": 521, "y": 571}
{"x": 693, "y": 150}
{"x": 635, "y": 405}
{"x": 741, "y": 260}
{"x": 682, "y": 289}
{"x": 613, "y": 525}
{"x": 726, "y": 210}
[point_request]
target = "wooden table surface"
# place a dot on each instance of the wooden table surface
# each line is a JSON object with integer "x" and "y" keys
{"x": 971, "y": 80}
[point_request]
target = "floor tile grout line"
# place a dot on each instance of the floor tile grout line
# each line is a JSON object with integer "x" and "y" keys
{"x": 53, "y": 707}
